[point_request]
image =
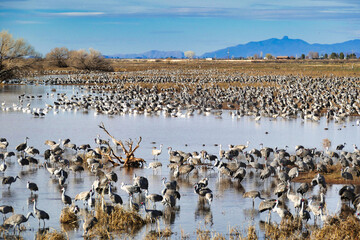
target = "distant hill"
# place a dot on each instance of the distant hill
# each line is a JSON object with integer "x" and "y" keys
{"x": 284, "y": 47}
{"x": 274, "y": 46}
{"x": 150, "y": 55}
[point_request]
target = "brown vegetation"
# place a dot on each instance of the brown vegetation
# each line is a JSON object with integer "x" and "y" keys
{"x": 120, "y": 221}
{"x": 51, "y": 235}
{"x": 333, "y": 176}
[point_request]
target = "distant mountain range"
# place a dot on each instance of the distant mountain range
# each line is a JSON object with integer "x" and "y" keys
{"x": 274, "y": 46}
{"x": 150, "y": 55}
{"x": 284, "y": 47}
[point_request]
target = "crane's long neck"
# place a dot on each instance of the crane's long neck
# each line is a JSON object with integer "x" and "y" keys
{"x": 145, "y": 207}
{"x": 34, "y": 205}
{"x": 302, "y": 206}
{"x": 28, "y": 216}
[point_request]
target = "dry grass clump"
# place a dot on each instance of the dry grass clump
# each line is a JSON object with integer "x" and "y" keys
{"x": 202, "y": 234}
{"x": 51, "y": 235}
{"x": 163, "y": 234}
{"x": 348, "y": 229}
{"x": 251, "y": 233}
{"x": 120, "y": 221}
{"x": 287, "y": 229}
{"x": 68, "y": 217}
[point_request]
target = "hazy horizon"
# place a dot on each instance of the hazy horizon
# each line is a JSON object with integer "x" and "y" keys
{"x": 114, "y": 27}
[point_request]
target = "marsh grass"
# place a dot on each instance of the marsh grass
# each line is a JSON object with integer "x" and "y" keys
{"x": 51, "y": 235}
{"x": 163, "y": 234}
{"x": 68, "y": 217}
{"x": 333, "y": 176}
{"x": 337, "y": 229}
{"x": 119, "y": 222}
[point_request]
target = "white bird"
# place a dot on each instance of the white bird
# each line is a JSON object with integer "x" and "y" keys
{"x": 156, "y": 152}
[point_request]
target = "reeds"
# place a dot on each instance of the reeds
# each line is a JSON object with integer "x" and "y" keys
{"x": 120, "y": 221}
{"x": 348, "y": 229}
{"x": 162, "y": 234}
{"x": 51, "y": 235}
{"x": 68, "y": 217}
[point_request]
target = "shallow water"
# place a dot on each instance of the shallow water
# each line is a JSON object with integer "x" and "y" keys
{"x": 196, "y": 133}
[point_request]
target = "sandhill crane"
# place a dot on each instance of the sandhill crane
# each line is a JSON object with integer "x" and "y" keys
{"x": 203, "y": 182}
{"x": 156, "y": 152}
{"x": 84, "y": 196}
{"x": 130, "y": 189}
{"x": 40, "y": 214}
{"x": 115, "y": 198}
{"x": 22, "y": 146}
{"x": 112, "y": 176}
{"x": 183, "y": 170}
{"x": 239, "y": 174}
{"x": 3, "y": 166}
{"x": 76, "y": 168}
{"x": 267, "y": 205}
{"x": 319, "y": 180}
{"x": 154, "y": 165}
{"x": 23, "y": 161}
{"x": 16, "y": 220}
{"x": 253, "y": 195}
{"x": 239, "y": 147}
{"x": 303, "y": 188}
{"x": 32, "y": 187}
{"x": 280, "y": 189}
{"x": 169, "y": 200}
{"x": 65, "y": 198}
{"x": 141, "y": 182}
{"x": 315, "y": 207}
{"x": 283, "y": 213}
{"x": 152, "y": 213}
{"x": 9, "y": 180}
{"x": 31, "y": 151}
{"x": 89, "y": 223}
{"x": 154, "y": 198}
{"x": 221, "y": 152}
{"x": 133, "y": 205}
{"x": 172, "y": 192}
{"x": 3, "y": 143}
{"x": 304, "y": 214}
{"x": 169, "y": 185}
{"x": 265, "y": 173}
{"x": 204, "y": 192}
{"x": 340, "y": 146}
{"x": 346, "y": 175}
{"x": 293, "y": 173}
{"x": 5, "y": 209}
{"x": 294, "y": 198}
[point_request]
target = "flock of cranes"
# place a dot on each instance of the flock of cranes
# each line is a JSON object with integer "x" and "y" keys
{"x": 236, "y": 164}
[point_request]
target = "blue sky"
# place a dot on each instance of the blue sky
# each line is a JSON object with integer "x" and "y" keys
{"x": 136, "y": 26}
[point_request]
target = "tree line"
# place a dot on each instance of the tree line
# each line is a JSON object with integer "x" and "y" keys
{"x": 16, "y": 56}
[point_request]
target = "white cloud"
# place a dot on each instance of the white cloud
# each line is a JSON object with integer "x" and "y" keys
{"x": 78, "y": 14}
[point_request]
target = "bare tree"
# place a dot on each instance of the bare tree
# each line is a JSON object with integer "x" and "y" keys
{"x": 189, "y": 54}
{"x": 92, "y": 60}
{"x": 11, "y": 51}
{"x": 58, "y": 56}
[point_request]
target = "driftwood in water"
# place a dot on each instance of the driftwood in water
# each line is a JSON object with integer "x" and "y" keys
{"x": 129, "y": 160}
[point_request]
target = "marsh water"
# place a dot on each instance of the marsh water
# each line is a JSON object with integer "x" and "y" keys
{"x": 196, "y": 133}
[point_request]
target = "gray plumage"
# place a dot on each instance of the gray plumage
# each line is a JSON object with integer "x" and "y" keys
{"x": 16, "y": 220}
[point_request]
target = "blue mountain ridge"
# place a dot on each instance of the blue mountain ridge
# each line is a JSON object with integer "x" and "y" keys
{"x": 276, "y": 47}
